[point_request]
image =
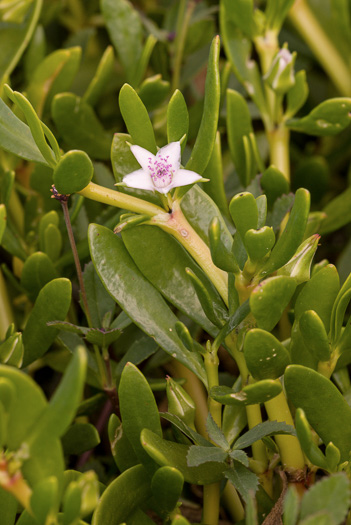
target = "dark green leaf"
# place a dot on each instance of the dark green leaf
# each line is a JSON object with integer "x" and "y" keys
{"x": 125, "y": 29}
{"x": 215, "y": 433}
{"x": 137, "y": 416}
{"x": 99, "y": 301}
{"x": 245, "y": 481}
{"x": 269, "y": 299}
{"x": 265, "y": 356}
{"x": 187, "y": 431}
{"x": 79, "y": 438}
{"x": 123, "y": 496}
{"x": 169, "y": 453}
{"x": 259, "y": 392}
{"x": 15, "y": 36}
{"x": 52, "y": 303}
{"x": 331, "y": 494}
{"x": 142, "y": 302}
{"x": 143, "y": 244}
{"x": 206, "y": 136}
{"x": 199, "y": 455}
{"x": 79, "y": 126}
{"x": 16, "y": 137}
{"x": 267, "y": 428}
{"x": 324, "y": 406}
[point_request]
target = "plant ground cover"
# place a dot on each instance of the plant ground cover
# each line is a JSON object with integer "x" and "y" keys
{"x": 175, "y": 210}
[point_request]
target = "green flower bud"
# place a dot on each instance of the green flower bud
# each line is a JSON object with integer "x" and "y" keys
{"x": 180, "y": 403}
{"x": 299, "y": 265}
{"x": 281, "y": 75}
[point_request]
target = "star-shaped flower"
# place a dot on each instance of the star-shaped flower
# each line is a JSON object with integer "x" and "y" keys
{"x": 160, "y": 172}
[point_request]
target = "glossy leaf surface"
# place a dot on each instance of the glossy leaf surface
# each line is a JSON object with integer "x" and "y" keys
{"x": 166, "y": 485}
{"x": 137, "y": 119}
{"x": 53, "y": 75}
{"x": 259, "y": 392}
{"x": 328, "y": 118}
{"x": 123, "y": 496}
{"x": 323, "y": 404}
{"x": 15, "y": 37}
{"x": 169, "y": 453}
{"x": 152, "y": 249}
{"x": 177, "y": 118}
{"x": 37, "y": 271}
{"x": 79, "y": 126}
{"x": 16, "y": 137}
{"x": 125, "y": 30}
{"x": 73, "y": 172}
{"x": 52, "y": 303}
{"x": 269, "y": 299}
{"x": 206, "y": 136}
{"x": 265, "y": 356}
{"x": 141, "y": 301}
{"x": 137, "y": 416}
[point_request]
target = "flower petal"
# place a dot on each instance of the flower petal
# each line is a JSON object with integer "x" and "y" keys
{"x": 184, "y": 177}
{"x": 172, "y": 151}
{"x": 143, "y": 156}
{"x": 139, "y": 179}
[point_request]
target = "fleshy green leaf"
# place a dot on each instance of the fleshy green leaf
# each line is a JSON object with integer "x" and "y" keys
{"x": 324, "y": 406}
{"x": 123, "y": 496}
{"x": 265, "y": 356}
{"x": 206, "y": 136}
{"x": 331, "y": 494}
{"x": 53, "y": 75}
{"x": 16, "y": 137}
{"x": 269, "y": 299}
{"x": 141, "y": 301}
{"x": 15, "y": 35}
{"x": 259, "y": 392}
{"x": 52, "y": 303}
{"x": 135, "y": 416}
{"x": 169, "y": 453}
{"x": 143, "y": 244}
{"x": 125, "y": 29}
{"x": 79, "y": 126}
{"x": 328, "y": 118}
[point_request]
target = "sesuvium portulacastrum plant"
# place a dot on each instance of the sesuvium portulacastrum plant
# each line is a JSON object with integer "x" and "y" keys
{"x": 199, "y": 282}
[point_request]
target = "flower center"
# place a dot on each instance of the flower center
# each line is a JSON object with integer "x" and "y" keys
{"x": 161, "y": 171}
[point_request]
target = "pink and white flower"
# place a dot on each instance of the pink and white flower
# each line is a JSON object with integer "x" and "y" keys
{"x": 160, "y": 172}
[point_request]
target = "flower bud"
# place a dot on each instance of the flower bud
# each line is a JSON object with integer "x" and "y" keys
{"x": 299, "y": 265}
{"x": 180, "y": 403}
{"x": 281, "y": 75}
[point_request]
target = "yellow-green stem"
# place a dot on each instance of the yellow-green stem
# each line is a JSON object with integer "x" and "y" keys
{"x": 174, "y": 223}
{"x": 233, "y": 503}
{"x": 211, "y": 495}
{"x": 177, "y": 225}
{"x": 322, "y": 46}
{"x": 6, "y": 314}
{"x": 289, "y": 446}
{"x": 278, "y": 139}
{"x": 120, "y": 200}
{"x": 253, "y": 412}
